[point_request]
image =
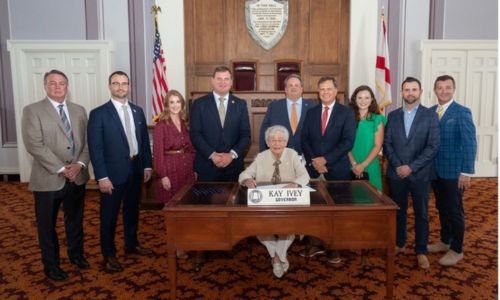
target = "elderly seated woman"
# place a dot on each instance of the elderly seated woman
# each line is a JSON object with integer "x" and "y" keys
{"x": 278, "y": 164}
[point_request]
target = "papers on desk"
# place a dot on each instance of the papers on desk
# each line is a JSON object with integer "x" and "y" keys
{"x": 281, "y": 186}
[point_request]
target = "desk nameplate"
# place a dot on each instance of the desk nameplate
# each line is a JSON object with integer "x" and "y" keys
{"x": 280, "y": 196}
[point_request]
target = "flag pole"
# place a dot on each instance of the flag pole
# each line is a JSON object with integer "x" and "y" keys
{"x": 382, "y": 68}
{"x": 160, "y": 87}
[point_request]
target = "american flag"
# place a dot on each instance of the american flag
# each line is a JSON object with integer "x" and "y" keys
{"x": 160, "y": 87}
{"x": 382, "y": 69}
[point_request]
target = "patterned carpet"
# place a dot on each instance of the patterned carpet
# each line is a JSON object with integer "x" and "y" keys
{"x": 242, "y": 276}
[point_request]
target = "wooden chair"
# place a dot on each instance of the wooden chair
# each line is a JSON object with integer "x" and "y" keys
{"x": 244, "y": 75}
{"x": 285, "y": 68}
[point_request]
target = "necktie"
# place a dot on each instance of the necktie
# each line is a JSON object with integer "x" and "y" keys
{"x": 222, "y": 111}
{"x": 324, "y": 118}
{"x": 67, "y": 127}
{"x": 276, "y": 174}
{"x": 293, "y": 118}
{"x": 440, "y": 112}
{"x": 128, "y": 130}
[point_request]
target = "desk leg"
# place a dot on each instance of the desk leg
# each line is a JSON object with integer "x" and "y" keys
{"x": 172, "y": 273}
{"x": 390, "y": 272}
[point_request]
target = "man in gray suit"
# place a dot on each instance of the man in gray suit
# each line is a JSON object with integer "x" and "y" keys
{"x": 54, "y": 133}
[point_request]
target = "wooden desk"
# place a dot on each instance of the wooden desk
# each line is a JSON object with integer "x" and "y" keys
{"x": 345, "y": 215}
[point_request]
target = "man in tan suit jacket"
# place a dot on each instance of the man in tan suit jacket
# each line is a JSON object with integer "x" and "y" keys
{"x": 54, "y": 133}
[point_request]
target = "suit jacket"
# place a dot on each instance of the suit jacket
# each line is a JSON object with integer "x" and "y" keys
{"x": 45, "y": 139}
{"x": 334, "y": 145}
{"x": 277, "y": 114}
{"x": 109, "y": 150}
{"x": 418, "y": 149}
{"x": 208, "y": 135}
{"x": 457, "y": 151}
{"x": 291, "y": 168}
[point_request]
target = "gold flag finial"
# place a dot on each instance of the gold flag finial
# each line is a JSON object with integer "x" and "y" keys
{"x": 155, "y": 9}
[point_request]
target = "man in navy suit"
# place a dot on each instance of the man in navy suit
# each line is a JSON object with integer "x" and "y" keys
{"x": 454, "y": 167}
{"x": 410, "y": 145}
{"x": 121, "y": 156}
{"x": 290, "y": 113}
{"x": 327, "y": 137}
{"x": 328, "y": 134}
{"x": 220, "y": 130}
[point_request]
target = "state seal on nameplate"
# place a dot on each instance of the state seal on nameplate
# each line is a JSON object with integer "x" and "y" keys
{"x": 266, "y": 21}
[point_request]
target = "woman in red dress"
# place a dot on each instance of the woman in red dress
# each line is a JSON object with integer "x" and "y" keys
{"x": 172, "y": 148}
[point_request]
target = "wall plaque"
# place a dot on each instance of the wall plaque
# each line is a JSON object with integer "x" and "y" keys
{"x": 266, "y": 21}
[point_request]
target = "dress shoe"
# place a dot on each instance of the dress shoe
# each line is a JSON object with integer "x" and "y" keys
{"x": 55, "y": 273}
{"x": 451, "y": 258}
{"x": 438, "y": 247}
{"x": 423, "y": 262}
{"x": 334, "y": 257}
{"x": 285, "y": 265}
{"x": 80, "y": 262}
{"x": 399, "y": 250}
{"x": 278, "y": 269}
{"x": 313, "y": 251}
{"x": 111, "y": 264}
{"x": 139, "y": 250}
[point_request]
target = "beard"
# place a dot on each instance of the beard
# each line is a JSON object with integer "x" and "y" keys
{"x": 119, "y": 95}
{"x": 411, "y": 100}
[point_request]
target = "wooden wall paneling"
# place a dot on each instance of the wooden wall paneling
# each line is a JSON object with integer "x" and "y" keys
{"x": 210, "y": 42}
{"x": 324, "y": 31}
{"x": 189, "y": 45}
{"x": 344, "y": 35}
{"x": 317, "y": 34}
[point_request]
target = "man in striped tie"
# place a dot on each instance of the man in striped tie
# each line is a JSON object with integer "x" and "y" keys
{"x": 54, "y": 133}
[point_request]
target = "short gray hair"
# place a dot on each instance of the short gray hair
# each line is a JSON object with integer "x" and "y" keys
{"x": 271, "y": 131}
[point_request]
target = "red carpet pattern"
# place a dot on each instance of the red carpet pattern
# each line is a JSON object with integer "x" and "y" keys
{"x": 241, "y": 274}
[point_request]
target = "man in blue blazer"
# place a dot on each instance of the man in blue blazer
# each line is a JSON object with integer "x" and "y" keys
{"x": 120, "y": 152}
{"x": 290, "y": 113}
{"x": 328, "y": 134}
{"x": 220, "y": 130}
{"x": 454, "y": 166}
{"x": 410, "y": 145}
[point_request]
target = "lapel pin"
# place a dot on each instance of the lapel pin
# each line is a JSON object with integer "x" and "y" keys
{"x": 232, "y": 101}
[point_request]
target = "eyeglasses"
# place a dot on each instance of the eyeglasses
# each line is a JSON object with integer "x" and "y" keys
{"x": 117, "y": 84}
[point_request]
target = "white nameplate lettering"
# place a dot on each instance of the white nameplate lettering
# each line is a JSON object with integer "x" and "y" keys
{"x": 280, "y": 196}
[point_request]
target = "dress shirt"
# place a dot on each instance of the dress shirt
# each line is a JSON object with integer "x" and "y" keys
{"x": 330, "y": 107}
{"x": 445, "y": 106}
{"x": 217, "y": 103}
{"x": 118, "y": 105}
{"x": 409, "y": 116}
{"x": 298, "y": 107}
{"x": 65, "y": 108}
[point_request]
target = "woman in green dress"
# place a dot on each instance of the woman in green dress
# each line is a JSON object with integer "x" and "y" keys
{"x": 369, "y": 135}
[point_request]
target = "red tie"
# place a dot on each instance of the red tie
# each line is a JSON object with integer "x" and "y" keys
{"x": 324, "y": 118}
